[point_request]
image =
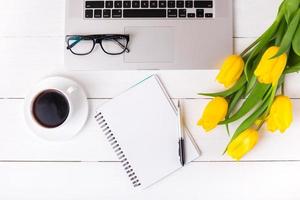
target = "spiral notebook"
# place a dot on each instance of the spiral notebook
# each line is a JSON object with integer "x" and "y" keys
{"x": 141, "y": 126}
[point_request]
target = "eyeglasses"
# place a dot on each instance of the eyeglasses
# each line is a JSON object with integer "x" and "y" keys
{"x": 111, "y": 44}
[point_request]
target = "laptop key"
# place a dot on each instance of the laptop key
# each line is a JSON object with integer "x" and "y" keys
{"x": 172, "y": 13}
{"x": 144, "y": 4}
{"x": 109, "y": 4}
{"x": 188, "y": 4}
{"x": 116, "y": 13}
{"x": 153, "y": 4}
{"x": 127, "y": 4}
{"x": 182, "y": 13}
{"x": 208, "y": 15}
{"x": 171, "y": 4}
{"x": 94, "y": 4}
{"x": 191, "y": 15}
{"x": 144, "y": 13}
{"x": 203, "y": 4}
{"x": 200, "y": 13}
{"x": 179, "y": 4}
{"x": 88, "y": 13}
{"x": 97, "y": 13}
{"x": 106, "y": 13}
{"x": 135, "y": 4}
{"x": 118, "y": 4}
{"x": 162, "y": 4}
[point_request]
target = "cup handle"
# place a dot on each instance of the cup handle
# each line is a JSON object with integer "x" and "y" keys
{"x": 71, "y": 89}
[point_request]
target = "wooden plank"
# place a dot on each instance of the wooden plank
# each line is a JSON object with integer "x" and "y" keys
{"x": 32, "y": 52}
{"x": 76, "y": 181}
{"x": 32, "y": 18}
{"x": 252, "y": 17}
{"x": 17, "y": 142}
{"x": 16, "y": 83}
{"x": 46, "y": 18}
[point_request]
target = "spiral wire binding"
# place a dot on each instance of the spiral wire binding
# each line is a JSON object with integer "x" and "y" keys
{"x": 118, "y": 150}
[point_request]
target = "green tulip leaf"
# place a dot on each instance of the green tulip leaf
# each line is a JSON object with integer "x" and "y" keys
{"x": 248, "y": 70}
{"x": 247, "y": 123}
{"x": 289, "y": 35}
{"x": 228, "y": 92}
{"x": 253, "y": 99}
{"x": 273, "y": 94}
{"x": 251, "y": 119}
{"x": 296, "y": 41}
{"x": 293, "y": 58}
{"x": 227, "y": 129}
{"x": 267, "y": 95}
{"x": 280, "y": 32}
{"x": 281, "y": 9}
{"x": 292, "y": 69}
{"x": 234, "y": 101}
{"x": 232, "y": 104}
{"x": 291, "y": 7}
{"x": 251, "y": 84}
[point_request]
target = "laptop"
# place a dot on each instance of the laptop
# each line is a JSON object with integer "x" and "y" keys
{"x": 163, "y": 34}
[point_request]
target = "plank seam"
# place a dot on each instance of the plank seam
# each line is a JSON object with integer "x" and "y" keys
{"x": 209, "y": 161}
{"x": 93, "y": 98}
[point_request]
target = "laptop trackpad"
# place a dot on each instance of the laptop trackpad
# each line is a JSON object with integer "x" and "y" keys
{"x": 150, "y": 45}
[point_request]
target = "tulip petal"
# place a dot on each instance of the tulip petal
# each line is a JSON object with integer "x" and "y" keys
{"x": 242, "y": 144}
{"x": 214, "y": 112}
{"x": 280, "y": 117}
{"x": 231, "y": 70}
{"x": 270, "y": 69}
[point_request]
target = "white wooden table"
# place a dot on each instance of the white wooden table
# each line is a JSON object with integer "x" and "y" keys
{"x": 31, "y": 48}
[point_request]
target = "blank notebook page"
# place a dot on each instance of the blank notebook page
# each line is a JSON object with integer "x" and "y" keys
{"x": 141, "y": 125}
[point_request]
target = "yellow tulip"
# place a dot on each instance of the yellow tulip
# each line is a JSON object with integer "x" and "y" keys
{"x": 242, "y": 144}
{"x": 231, "y": 70}
{"x": 281, "y": 115}
{"x": 270, "y": 69}
{"x": 214, "y": 112}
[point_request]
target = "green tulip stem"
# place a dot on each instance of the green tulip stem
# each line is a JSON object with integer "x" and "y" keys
{"x": 260, "y": 124}
{"x": 250, "y": 47}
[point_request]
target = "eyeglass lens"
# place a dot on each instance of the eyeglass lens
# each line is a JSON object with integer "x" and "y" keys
{"x": 114, "y": 45}
{"x": 81, "y": 46}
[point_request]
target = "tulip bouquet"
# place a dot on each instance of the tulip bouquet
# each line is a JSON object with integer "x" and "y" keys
{"x": 257, "y": 75}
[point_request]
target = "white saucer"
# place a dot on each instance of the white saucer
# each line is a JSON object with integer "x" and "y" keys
{"x": 78, "y": 109}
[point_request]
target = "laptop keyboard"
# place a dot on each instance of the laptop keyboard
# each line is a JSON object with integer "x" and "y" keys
{"x": 197, "y": 9}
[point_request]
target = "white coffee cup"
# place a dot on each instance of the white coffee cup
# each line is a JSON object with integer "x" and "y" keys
{"x": 67, "y": 111}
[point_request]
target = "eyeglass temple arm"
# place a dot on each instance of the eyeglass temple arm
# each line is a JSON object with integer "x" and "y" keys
{"x": 121, "y": 45}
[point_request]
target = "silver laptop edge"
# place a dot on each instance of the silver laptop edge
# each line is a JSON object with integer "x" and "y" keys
{"x": 169, "y": 43}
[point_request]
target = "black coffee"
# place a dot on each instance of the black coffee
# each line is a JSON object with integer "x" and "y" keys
{"x": 50, "y": 108}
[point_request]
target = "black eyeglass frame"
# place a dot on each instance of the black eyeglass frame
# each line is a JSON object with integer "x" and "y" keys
{"x": 97, "y": 39}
